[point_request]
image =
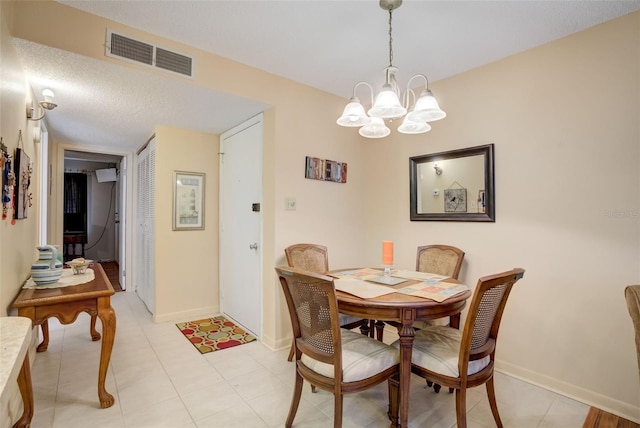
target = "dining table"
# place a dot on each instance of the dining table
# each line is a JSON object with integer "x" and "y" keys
{"x": 402, "y": 310}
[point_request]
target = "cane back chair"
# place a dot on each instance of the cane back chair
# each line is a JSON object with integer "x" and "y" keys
{"x": 327, "y": 356}
{"x": 315, "y": 258}
{"x": 465, "y": 359}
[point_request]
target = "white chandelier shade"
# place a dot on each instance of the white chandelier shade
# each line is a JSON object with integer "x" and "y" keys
{"x": 388, "y": 105}
{"x": 375, "y": 129}
{"x": 354, "y": 114}
{"x": 408, "y": 126}
{"x": 426, "y": 108}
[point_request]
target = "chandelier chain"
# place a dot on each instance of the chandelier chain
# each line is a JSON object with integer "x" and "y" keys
{"x": 390, "y": 38}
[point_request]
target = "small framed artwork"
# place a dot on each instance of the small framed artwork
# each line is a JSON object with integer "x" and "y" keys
{"x": 455, "y": 200}
{"x": 188, "y": 200}
{"x": 325, "y": 170}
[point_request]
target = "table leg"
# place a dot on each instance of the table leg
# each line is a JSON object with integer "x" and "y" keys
{"x": 108, "y": 318}
{"x": 379, "y": 330}
{"x": 45, "y": 336}
{"x": 95, "y": 336}
{"x": 26, "y": 392}
{"x": 407, "y": 334}
{"x": 454, "y": 321}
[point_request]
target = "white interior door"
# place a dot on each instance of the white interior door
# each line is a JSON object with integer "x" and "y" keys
{"x": 241, "y": 224}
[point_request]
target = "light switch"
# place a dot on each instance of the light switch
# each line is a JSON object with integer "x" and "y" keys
{"x": 290, "y": 204}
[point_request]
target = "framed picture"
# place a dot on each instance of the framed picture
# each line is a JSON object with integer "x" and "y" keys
{"x": 22, "y": 196}
{"x": 325, "y": 170}
{"x": 455, "y": 200}
{"x": 188, "y": 200}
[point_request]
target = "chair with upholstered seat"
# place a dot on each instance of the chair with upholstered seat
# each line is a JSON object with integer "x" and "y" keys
{"x": 315, "y": 258}
{"x": 632, "y": 295}
{"x": 465, "y": 359}
{"x": 329, "y": 357}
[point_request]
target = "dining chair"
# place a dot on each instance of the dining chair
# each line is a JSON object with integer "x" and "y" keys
{"x": 442, "y": 260}
{"x": 315, "y": 258}
{"x": 327, "y": 356}
{"x": 632, "y": 295}
{"x": 465, "y": 359}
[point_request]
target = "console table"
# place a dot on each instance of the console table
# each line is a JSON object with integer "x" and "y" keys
{"x": 66, "y": 303}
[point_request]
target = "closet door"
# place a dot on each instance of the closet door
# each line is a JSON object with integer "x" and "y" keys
{"x": 145, "y": 277}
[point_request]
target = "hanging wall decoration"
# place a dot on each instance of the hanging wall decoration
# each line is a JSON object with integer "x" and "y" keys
{"x": 326, "y": 170}
{"x": 455, "y": 200}
{"x": 8, "y": 179}
{"x": 24, "y": 169}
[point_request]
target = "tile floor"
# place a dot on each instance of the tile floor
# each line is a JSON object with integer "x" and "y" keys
{"x": 160, "y": 380}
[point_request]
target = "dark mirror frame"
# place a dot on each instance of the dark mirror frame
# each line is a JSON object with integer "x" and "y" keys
{"x": 489, "y": 185}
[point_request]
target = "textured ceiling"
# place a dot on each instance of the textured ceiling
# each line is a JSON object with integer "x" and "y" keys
{"x": 326, "y": 44}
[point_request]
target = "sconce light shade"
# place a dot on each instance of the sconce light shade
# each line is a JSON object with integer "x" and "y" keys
{"x": 408, "y": 126}
{"x": 353, "y": 115}
{"x": 47, "y": 104}
{"x": 426, "y": 108}
{"x": 387, "y": 105}
{"x": 376, "y": 129}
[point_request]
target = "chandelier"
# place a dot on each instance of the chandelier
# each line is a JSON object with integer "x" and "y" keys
{"x": 387, "y": 105}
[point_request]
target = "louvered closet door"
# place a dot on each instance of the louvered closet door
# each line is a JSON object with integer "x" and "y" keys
{"x": 145, "y": 252}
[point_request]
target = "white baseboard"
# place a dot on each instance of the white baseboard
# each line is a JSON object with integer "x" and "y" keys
{"x": 183, "y": 316}
{"x": 591, "y": 398}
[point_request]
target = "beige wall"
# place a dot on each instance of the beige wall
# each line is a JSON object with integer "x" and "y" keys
{"x": 17, "y": 241}
{"x": 186, "y": 261}
{"x": 564, "y": 121}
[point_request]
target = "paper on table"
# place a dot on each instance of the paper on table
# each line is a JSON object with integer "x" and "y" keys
{"x": 362, "y": 273}
{"x": 420, "y": 276}
{"x": 434, "y": 290}
{"x": 361, "y": 289}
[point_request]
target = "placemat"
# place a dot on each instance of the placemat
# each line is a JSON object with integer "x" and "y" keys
{"x": 66, "y": 280}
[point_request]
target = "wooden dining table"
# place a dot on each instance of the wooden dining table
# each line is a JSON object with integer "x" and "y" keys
{"x": 403, "y": 310}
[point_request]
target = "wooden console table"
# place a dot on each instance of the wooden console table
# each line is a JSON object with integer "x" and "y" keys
{"x": 15, "y": 333}
{"x": 66, "y": 303}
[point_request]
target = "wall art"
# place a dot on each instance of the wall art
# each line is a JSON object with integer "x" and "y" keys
{"x": 325, "y": 170}
{"x": 188, "y": 200}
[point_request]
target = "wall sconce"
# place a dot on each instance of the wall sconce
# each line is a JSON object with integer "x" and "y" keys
{"x": 437, "y": 168}
{"x": 47, "y": 104}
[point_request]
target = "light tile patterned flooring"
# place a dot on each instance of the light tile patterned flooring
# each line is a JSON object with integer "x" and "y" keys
{"x": 160, "y": 380}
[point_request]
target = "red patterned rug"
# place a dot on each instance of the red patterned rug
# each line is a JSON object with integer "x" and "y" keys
{"x": 213, "y": 334}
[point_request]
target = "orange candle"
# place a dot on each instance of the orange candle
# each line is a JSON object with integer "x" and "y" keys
{"x": 387, "y": 252}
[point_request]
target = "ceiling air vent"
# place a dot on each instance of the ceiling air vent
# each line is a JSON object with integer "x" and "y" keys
{"x": 131, "y": 49}
{"x": 119, "y": 46}
{"x": 173, "y": 61}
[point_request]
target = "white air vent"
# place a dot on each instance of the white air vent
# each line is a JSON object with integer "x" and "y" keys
{"x": 119, "y": 46}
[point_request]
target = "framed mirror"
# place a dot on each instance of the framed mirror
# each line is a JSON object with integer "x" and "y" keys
{"x": 453, "y": 186}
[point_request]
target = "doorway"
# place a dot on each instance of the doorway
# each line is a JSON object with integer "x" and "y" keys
{"x": 93, "y": 202}
{"x": 241, "y": 224}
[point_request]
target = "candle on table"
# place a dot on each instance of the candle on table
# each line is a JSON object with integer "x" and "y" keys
{"x": 387, "y": 253}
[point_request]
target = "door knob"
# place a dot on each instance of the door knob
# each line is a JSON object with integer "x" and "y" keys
{"x": 253, "y": 246}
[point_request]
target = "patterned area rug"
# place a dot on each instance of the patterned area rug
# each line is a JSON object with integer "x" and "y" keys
{"x": 213, "y": 334}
